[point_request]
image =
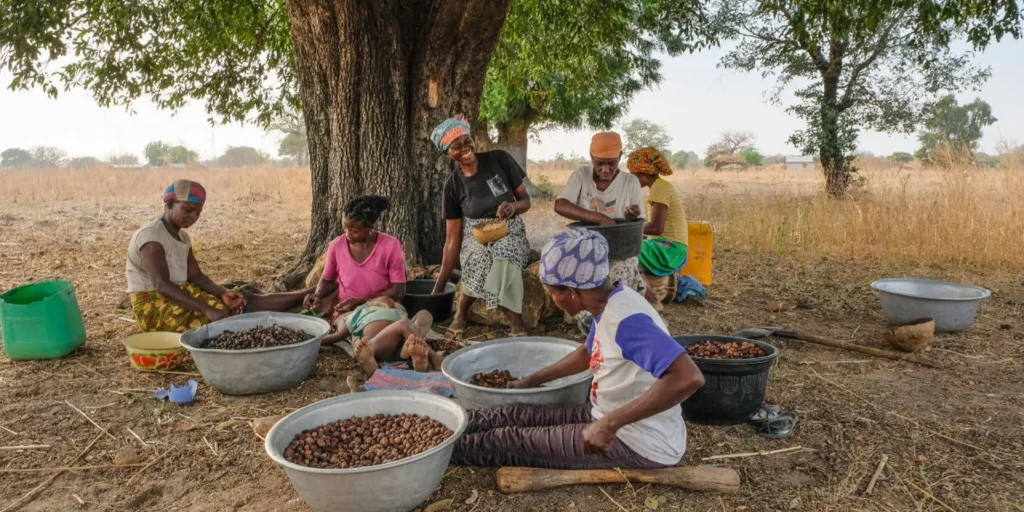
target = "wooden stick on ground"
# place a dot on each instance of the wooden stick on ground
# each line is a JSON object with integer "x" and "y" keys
{"x": 878, "y": 472}
{"x": 606, "y": 495}
{"x": 26, "y": 447}
{"x": 939, "y": 434}
{"x": 869, "y": 402}
{"x": 70, "y": 468}
{"x": 31, "y": 494}
{"x": 86, "y": 416}
{"x": 751, "y": 454}
{"x": 846, "y": 345}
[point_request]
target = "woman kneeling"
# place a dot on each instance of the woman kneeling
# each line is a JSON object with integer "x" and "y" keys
{"x": 641, "y": 375}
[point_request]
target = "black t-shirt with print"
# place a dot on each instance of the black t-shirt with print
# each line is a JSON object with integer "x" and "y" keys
{"x": 478, "y": 197}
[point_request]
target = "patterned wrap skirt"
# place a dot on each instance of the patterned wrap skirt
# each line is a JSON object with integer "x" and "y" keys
{"x": 477, "y": 260}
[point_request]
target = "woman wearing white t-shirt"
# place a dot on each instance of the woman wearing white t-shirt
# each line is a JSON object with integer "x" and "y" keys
{"x": 633, "y": 419}
{"x": 600, "y": 194}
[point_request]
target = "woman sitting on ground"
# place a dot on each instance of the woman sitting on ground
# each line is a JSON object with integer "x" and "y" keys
{"x": 663, "y": 251}
{"x": 167, "y": 288}
{"x": 482, "y": 187}
{"x": 364, "y": 278}
{"x": 641, "y": 375}
{"x": 601, "y": 194}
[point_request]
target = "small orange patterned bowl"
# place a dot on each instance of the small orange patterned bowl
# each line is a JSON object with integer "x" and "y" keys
{"x": 151, "y": 351}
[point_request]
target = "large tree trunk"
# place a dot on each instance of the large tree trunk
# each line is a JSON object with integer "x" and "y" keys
{"x": 515, "y": 141}
{"x": 831, "y": 147}
{"x": 376, "y": 76}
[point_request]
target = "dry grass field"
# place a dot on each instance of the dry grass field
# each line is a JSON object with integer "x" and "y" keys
{"x": 784, "y": 255}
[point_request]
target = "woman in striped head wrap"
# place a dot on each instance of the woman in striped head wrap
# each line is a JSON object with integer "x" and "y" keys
{"x": 168, "y": 290}
{"x": 664, "y": 250}
{"x": 482, "y": 187}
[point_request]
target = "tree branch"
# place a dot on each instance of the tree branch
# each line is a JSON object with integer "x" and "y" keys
{"x": 880, "y": 46}
{"x": 813, "y": 50}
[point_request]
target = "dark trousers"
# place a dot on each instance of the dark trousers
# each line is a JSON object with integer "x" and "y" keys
{"x": 539, "y": 436}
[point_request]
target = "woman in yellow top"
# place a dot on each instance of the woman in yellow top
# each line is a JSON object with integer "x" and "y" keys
{"x": 666, "y": 232}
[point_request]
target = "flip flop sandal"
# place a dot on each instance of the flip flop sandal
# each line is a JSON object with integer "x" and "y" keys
{"x": 765, "y": 413}
{"x": 781, "y": 426}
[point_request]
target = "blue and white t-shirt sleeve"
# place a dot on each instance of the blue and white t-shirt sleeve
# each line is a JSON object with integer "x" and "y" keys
{"x": 646, "y": 344}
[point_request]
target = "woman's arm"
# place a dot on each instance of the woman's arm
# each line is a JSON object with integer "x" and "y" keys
{"x": 198, "y": 278}
{"x": 575, "y": 362}
{"x": 395, "y": 292}
{"x": 520, "y": 206}
{"x": 154, "y": 262}
{"x": 569, "y": 210}
{"x": 452, "y": 247}
{"x": 680, "y": 380}
{"x": 656, "y": 225}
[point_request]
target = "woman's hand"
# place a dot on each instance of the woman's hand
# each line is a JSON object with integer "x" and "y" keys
{"x": 523, "y": 383}
{"x": 598, "y": 437}
{"x": 214, "y": 314}
{"x": 311, "y": 302}
{"x": 506, "y": 210}
{"x": 346, "y": 306}
{"x": 633, "y": 212}
{"x": 233, "y": 299}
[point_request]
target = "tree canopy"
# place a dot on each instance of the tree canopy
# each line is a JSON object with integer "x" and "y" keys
{"x": 242, "y": 156}
{"x": 15, "y": 157}
{"x": 861, "y": 64}
{"x": 159, "y": 154}
{"x": 640, "y": 133}
{"x": 953, "y": 129}
{"x": 578, "y": 64}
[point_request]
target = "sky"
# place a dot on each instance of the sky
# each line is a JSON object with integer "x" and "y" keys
{"x": 696, "y": 101}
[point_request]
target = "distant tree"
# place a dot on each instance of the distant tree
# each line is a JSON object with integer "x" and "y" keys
{"x": 182, "y": 155}
{"x": 49, "y": 156}
{"x": 679, "y": 159}
{"x": 752, "y": 156}
{"x": 15, "y": 157}
{"x": 242, "y": 156}
{"x": 86, "y": 162}
{"x": 953, "y": 129}
{"x": 693, "y": 160}
{"x": 774, "y": 159}
{"x": 986, "y": 160}
{"x": 901, "y": 157}
{"x": 859, "y": 64}
{"x": 295, "y": 142}
{"x": 296, "y": 146}
{"x": 157, "y": 153}
{"x": 730, "y": 143}
{"x": 123, "y": 159}
{"x": 641, "y": 133}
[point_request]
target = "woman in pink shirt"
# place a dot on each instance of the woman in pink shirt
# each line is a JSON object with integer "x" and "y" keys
{"x": 366, "y": 270}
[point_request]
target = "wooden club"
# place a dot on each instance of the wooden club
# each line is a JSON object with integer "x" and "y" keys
{"x": 694, "y": 478}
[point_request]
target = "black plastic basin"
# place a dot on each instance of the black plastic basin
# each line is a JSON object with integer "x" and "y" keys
{"x": 418, "y": 297}
{"x": 624, "y": 238}
{"x": 733, "y": 388}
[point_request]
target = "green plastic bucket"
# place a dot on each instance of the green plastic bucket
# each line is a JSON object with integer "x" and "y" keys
{"x": 41, "y": 321}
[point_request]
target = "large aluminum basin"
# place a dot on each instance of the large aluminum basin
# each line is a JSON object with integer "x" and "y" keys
{"x": 397, "y": 486}
{"x": 521, "y": 357}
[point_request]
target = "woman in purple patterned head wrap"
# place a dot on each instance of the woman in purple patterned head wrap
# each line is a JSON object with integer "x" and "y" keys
{"x": 633, "y": 419}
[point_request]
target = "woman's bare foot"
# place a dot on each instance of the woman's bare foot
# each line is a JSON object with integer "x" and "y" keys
{"x": 416, "y": 348}
{"x": 353, "y": 385}
{"x": 363, "y": 352}
{"x": 458, "y": 325}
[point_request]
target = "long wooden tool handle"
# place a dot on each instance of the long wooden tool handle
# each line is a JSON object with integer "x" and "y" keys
{"x": 700, "y": 478}
{"x": 888, "y": 354}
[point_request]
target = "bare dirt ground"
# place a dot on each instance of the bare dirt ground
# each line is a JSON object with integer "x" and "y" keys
{"x": 953, "y": 436}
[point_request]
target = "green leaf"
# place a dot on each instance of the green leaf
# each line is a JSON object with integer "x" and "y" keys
{"x": 652, "y": 502}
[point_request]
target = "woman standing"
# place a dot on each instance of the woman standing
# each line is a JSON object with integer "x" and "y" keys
{"x": 167, "y": 288}
{"x": 664, "y": 251}
{"x": 482, "y": 187}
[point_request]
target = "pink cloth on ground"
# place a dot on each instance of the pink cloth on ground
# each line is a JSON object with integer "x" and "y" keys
{"x": 384, "y": 267}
